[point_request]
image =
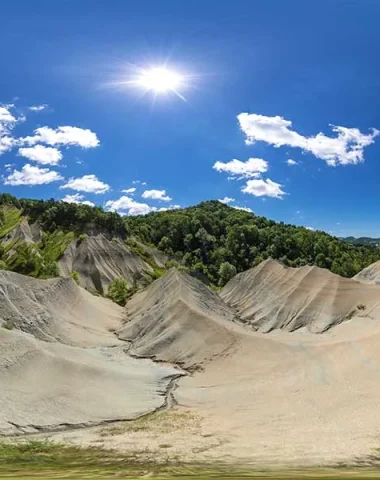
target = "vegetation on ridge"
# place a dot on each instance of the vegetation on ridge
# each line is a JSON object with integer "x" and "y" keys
{"x": 212, "y": 239}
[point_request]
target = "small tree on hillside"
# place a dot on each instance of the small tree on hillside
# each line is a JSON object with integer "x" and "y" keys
{"x": 226, "y": 272}
{"x": 118, "y": 291}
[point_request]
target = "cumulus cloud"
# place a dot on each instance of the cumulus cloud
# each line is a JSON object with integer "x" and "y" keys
{"x": 263, "y": 188}
{"x": 345, "y": 148}
{"x": 128, "y": 206}
{"x": 41, "y": 154}
{"x": 156, "y": 195}
{"x": 291, "y": 162}
{"x": 77, "y": 198}
{"x": 170, "y": 207}
{"x": 37, "y": 108}
{"x": 245, "y": 209}
{"x": 252, "y": 168}
{"x": 226, "y": 200}
{"x": 67, "y": 135}
{"x": 30, "y": 175}
{"x": 7, "y": 123}
{"x": 87, "y": 183}
{"x": 310, "y": 228}
{"x": 129, "y": 190}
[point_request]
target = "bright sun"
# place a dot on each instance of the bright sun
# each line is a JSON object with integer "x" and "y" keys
{"x": 160, "y": 80}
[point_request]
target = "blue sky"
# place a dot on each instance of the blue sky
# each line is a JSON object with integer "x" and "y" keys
{"x": 270, "y": 81}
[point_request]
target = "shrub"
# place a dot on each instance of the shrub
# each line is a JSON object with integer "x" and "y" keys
{"x": 81, "y": 237}
{"x": 171, "y": 264}
{"x": 226, "y": 272}
{"x": 75, "y": 276}
{"x": 118, "y": 291}
{"x": 8, "y": 325}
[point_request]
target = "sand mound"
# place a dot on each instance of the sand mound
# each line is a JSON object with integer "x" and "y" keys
{"x": 48, "y": 386}
{"x": 370, "y": 274}
{"x": 178, "y": 319}
{"x": 99, "y": 261}
{"x": 60, "y": 363}
{"x": 57, "y": 309}
{"x": 272, "y": 296}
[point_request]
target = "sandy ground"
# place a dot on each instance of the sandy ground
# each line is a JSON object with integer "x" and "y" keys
{"x": 249, "y": 397}
{"x": 274, "y": 401}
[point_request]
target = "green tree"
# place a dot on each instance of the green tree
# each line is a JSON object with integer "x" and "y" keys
{"x": 118, "y": 291}
{"x": 226, "y": 272}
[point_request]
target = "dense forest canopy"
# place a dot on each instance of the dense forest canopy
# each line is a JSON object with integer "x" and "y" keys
{"x": 211, "y": 235}
{"x": 52, "y": 214}
{"x": 211, "y": 240}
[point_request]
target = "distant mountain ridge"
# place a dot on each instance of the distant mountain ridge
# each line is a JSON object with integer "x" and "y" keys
{"x": 362, "y": 240}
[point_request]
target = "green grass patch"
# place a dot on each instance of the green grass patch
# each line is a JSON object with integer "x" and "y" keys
{"x": 160, "y": 423}
{"x": 39, "y": 460}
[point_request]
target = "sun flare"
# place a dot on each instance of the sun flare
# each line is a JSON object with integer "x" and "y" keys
{"x": 160, "y": 80}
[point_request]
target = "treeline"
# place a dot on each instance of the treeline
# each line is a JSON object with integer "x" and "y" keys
{"x": 52, "y": 215}
{"x": 217, "y": 241}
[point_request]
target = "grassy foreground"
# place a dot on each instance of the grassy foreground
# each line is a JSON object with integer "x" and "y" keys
{"x": 45, "y": 460}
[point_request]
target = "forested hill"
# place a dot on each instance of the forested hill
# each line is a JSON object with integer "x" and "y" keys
{"x": 211, "y": 240}
{"x": 219, "y": 240}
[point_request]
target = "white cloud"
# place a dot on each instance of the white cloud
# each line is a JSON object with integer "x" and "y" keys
{"x": 81, "y": 137}
{"x": 128, "y": 206}
{"x": 6, "y": 143}
{"x": 87, "y": 183}
{"x": 252, "y": 168}
{"x": 41, "y": 154}
{"x": 38, "y": 108}
{"x": 137, "y": 182}
{"x": 77, "y": 198}
{"x": 170, "y": 207}
{"x": 6, "y": 116}
{"x": 291, "y": 162}
{"x": 345, "y": 148}
{"x": 30, "y": 175}
{"x": 226, "y": 200}
{"x": 310, "y": 228}
{"x": 156, "y": 195}
{"x": 245, "y": 209}
{"x": 263, "y": 188}
{"x": 7, "y": 122}
{"x": 129, "y": 190}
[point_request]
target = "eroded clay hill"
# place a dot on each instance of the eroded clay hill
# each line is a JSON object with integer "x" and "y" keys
{"x": 56, "y": 310}
{"x": 99, "y": 260}
{"x": 370, "y": 274}
{"x": 272, "y": 296}
{"x": 61, "y": 364}
{"x": 178, "y": 319}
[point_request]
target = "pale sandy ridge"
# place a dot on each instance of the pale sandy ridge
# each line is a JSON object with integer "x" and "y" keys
{"x": 370, "y": 274}
{"x": 99, "y": 260}
{"x": 272, "y": 296}
{"x": 61, "y": 366}
{"x": 177, "y": 319}
{"x": 291, "y": 396}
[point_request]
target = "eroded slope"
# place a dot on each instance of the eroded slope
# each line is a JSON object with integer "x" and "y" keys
{"x": 99, "y": 260}
{"x": 272, "y": 296}
{"x": 178, "y": 319}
